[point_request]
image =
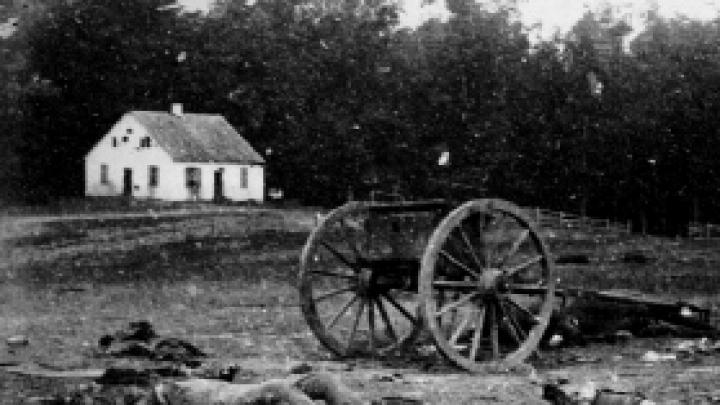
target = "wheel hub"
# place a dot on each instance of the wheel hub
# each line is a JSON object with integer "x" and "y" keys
{"x": 491, "y": 280}
{"x": 366, "y": 282}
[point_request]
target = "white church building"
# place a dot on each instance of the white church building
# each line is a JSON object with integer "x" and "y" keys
{"x": 174, "y": 156}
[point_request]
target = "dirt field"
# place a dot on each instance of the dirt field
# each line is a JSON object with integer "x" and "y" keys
{"x": 225, "y": 282}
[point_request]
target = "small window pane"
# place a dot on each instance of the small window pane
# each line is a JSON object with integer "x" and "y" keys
{"x": 192, "y": 177}
{"x": 153, "y": 176}
{"x": 104, "y": 174}
{"x": 243, "y": 177}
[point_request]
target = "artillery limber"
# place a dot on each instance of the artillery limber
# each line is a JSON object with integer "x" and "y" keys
{"x": 477, "y": 277}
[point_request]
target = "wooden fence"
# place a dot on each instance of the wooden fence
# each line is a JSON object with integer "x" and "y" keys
{"x": 563, "y": 221}
{"x": 697, "y": 230}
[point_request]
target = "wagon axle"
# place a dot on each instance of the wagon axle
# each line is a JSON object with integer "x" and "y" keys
{"x": 377, "y": 277}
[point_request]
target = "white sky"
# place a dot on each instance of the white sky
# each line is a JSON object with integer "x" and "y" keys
{"x": 553, "y": 14}
{"x": 562, "y": 14}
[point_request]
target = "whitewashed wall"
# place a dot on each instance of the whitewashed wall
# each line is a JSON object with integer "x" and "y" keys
{"x": 231, "y": 179}
{"x": 171, "y": 175}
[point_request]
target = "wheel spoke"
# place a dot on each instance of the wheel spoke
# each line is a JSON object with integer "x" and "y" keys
{"x": 337, "y": 254}
{"x": 514, "y": 248}
{"x": 448, "y": 284}
{"x": 477, "y": 336}
{"x": 503, "y": 316}
{"x": 485, "y": 227}
{"x": 333, "y": 274}
{"x": 371, "y": 324}
{"x": 335, "y": 293}
{"x": 527, "y": 289}
{"x": 355, "y": 325}
{"x": 518, "y": 267}
{"x": 494, "y": 338}
{"x": 386, "y": 319}
{"x": 470, "y": 247}
{"x": 456, "y": 304}
{"x": 522, "y": 334}
{"x": 519, "y": 308}
{"x": 460, "y": 329}
{"x": 342, "y": 311}
{"x": 400, "y": 308}
{"x": 459, "y": 264}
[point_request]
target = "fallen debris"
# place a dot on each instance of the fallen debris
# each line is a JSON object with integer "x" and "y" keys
{"x": 125, "y": 376}
{"x": 140, "y": 340}
{"x": 615, "y": 316}
{"x": 303, "y": 391}
{"x": 126, "y": 386}
{"x": 588, "y": 393}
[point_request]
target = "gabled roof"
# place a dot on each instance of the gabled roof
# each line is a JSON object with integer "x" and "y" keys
{"x": 197, "y": 137}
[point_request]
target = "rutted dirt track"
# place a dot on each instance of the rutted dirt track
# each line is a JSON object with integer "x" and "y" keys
{"x": 226, "y": 283}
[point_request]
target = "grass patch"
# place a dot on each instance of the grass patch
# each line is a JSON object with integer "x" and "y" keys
{"x": 225, "y": 283}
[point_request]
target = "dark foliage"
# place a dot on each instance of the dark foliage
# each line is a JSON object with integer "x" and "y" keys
{"x": 348, "y": 103}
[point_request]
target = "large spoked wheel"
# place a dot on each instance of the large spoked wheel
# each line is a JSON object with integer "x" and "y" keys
{"x": 355, "y": 302}
{"x": 486, "y": 285}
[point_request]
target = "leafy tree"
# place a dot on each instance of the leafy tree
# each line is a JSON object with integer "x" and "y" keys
{"x": 94, "y": 60}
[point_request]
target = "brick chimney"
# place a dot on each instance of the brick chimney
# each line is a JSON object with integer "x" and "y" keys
{"x": 177, "y": 109}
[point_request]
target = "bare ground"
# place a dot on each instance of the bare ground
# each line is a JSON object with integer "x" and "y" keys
{"x": 226, "y": 283}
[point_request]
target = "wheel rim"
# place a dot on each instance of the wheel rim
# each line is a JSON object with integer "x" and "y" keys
{"x": 348, "y": 302}
{"x": 486, "y": 285}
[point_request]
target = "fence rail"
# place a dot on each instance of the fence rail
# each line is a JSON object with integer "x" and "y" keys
{"x": 697, "y": 230}
{"x": 559, "y": 221}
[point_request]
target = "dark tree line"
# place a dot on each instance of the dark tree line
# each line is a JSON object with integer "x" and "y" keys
{"x": 346, "y": 102}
